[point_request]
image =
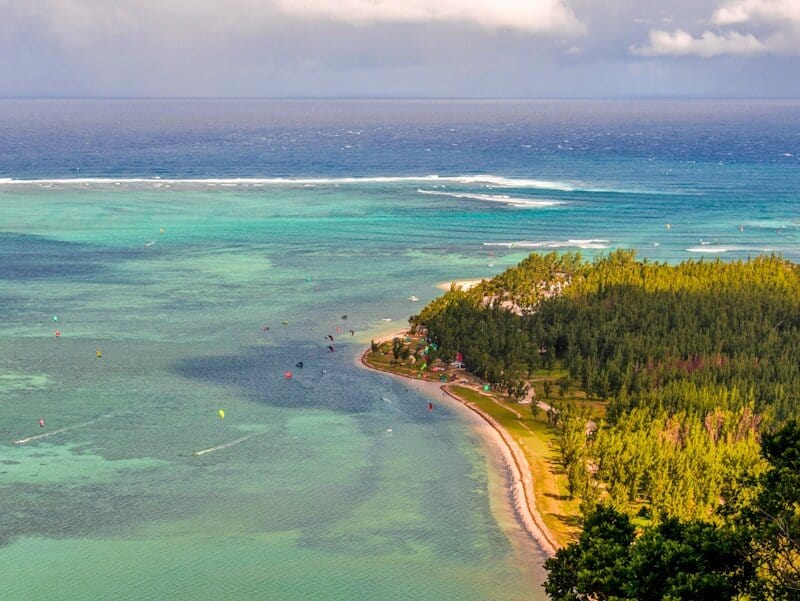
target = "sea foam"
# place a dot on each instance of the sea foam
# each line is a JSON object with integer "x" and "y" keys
{"x": 485, "y": 180}
{"x": 589, "y": 244}
{"x": 725, "y": 248}
{"x": 501, "y": 198}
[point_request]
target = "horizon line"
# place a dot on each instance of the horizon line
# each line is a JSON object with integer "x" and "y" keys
{"x": 376, "y": 98}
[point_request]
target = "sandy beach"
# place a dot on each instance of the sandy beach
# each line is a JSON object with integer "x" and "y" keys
{"x": 463, "y": 284}
{"x": 520, "y": 483}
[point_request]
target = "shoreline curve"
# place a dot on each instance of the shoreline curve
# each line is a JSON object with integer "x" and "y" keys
{"x": 521, "y": 493}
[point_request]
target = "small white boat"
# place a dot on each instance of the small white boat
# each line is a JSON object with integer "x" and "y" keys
{"x": 413, "y": 298}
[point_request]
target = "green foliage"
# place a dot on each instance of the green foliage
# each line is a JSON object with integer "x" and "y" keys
{"x": 625, "y": 328}
{"x": 753, "y": 553}
{"x": 595, "y": 567}
{"x": 693, "y": 358}
{"x": 692, "y": 561}
{"x": 772, "y": 518}
{"x": 564, "y": 385}
{"x": 696, "y": 360}
{"x": 573, "y": 446}
{"x": 682, "y": 464}
{"x": 514, "y": 381}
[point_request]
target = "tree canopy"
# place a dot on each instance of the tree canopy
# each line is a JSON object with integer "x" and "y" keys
{"x": 698, "y": 361}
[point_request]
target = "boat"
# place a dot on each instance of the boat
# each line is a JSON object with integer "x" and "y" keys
{"x": 413, "y": 298}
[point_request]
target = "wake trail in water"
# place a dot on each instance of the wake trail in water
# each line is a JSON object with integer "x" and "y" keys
{"x": 60, "y": 430}
{"x": 225, "y": 445}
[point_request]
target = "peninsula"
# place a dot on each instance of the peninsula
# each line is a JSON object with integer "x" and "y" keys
{"x": 629, "y": 393}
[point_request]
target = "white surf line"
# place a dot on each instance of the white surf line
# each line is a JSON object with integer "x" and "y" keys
{"x": 501, "y": 198}
{"x": 485, "y": 179}
{"x": 59, "y": 431}
{"x": 226, "y": 445}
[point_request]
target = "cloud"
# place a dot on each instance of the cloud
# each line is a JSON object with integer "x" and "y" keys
{"x": 709, "y": 44}
{"x": 532, "y": 16}
{"x": 774, "y": 25}
{"x": 395, "y": 48}
{"x": 758, "y": 11}
{"x": 100, "y": 23}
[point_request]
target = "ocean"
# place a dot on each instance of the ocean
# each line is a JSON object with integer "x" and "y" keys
{"x": 203, "y": 248}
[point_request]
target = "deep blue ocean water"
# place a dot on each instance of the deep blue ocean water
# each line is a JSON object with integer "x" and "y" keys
{"x": 168, "y": 234}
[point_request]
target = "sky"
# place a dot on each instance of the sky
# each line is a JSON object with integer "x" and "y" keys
{"x": 400, "y": 48}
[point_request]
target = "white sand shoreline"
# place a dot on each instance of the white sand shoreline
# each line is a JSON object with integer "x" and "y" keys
{"x": 521, "y": 483}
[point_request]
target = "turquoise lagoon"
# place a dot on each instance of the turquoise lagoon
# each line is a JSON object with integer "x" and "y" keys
{"x": 133, "y": 230}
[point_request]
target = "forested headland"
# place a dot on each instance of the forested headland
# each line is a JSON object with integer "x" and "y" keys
{"x": 692, "y": 479}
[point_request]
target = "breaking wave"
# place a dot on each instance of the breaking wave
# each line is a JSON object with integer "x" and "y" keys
{"x": 478, "y": 180}
{"x": 501, "y": 198}
{"x": 724, "y": 248}
{"x": 590, "y": 244}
